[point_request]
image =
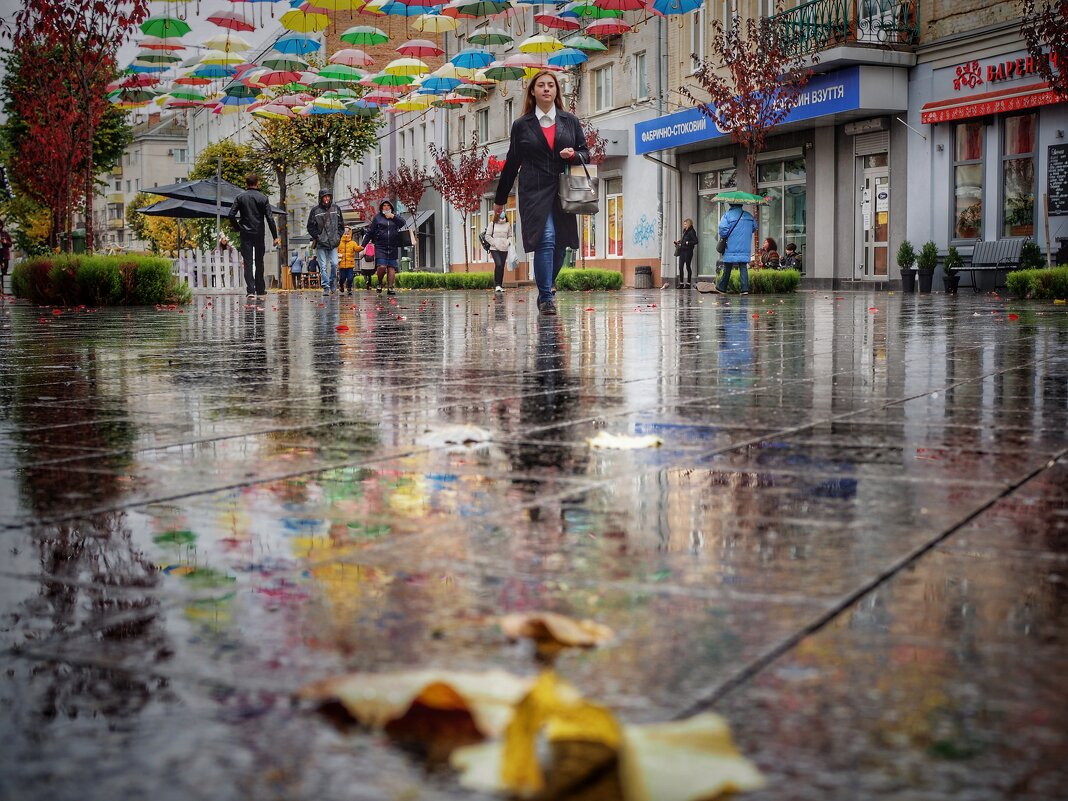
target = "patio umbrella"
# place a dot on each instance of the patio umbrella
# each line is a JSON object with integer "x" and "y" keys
{"x": 434, "y": 23}
{"x": 542, "y": 43}
{"x": 490, "y": 36}
{"x": 737, "y": 196}
{"x": 189, "y": 208}
{"x": 473, "y": 58}
{"x": 304, "y": 22}
{"x": 296, "y": 44}
{"x": 364, "y": 35}
{"x": 165, "y": 27}
{"x": 419, "y": 48}
{"x": 352, "y": 57}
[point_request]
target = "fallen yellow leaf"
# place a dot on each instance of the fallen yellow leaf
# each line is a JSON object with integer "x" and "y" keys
{"x": 688, "y": 760}
{"x": 555, "y": 628}
{"x": 625, "y": 442}
{"x": 376, "y": 699}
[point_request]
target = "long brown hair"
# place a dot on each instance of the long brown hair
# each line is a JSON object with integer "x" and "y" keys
{"x": 529, "y": 104}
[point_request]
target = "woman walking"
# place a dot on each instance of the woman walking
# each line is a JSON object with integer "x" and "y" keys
{"x": 499, "y": 236}
{"x": 544, "y": 141}
{"x": 685, "y": 248}
{"x": 384, "y": 234}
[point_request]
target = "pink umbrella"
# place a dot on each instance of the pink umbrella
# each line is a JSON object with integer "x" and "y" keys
{"x": 351, "y": 57}
{"x": 293, "y": 100}
{"x": 419, "y": 48}
{"x": 557, "y": 22}
{"x": 526, "y": 60}
{"x": 232, "y": 21}
{"x": 278, "y": 78}
{"x": 607, "y": 27}
{"x": 379, "y": 98}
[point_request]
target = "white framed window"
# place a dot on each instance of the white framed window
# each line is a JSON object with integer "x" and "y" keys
{"x": 422, "y": 134}
{"x": 641, "y": 76}
{"x": 589, "y": 236}
{"x": 613, "y": 190}
{"x": 129, "y": 185}
{"x": 482, "y": 124}
{"x": 463, "y": 130}
{"x": 181, "y": 155}
{"x": 697, "y": 37}
{"x": 602, "y": 88}
{"x": 509, "y": 115}
{"x": 476, "y": 224}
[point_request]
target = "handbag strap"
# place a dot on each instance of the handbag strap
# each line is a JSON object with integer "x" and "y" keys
{"x": 582, "y": 161}
{"x": 728, "y": 236}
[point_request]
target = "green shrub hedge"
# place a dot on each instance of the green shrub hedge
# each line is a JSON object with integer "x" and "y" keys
{"x": 1039, "y": 284}
{"x": 573, "y": 280}
{"x": 98, "y": 281}
{"x": 445, "y": 280}
{"x": 766, "y": 282}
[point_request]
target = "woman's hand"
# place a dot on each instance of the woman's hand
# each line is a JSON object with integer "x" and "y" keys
{"x": 567, "y": 153}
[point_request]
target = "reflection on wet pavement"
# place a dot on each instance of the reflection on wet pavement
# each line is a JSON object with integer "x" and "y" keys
{"x": 851, "y": 542}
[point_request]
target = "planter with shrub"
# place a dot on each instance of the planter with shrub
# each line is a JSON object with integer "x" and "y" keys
{"x": 926, "y": 262}
{"x": 567, "y": 281}
{"x": 582, "y": 280}
{"x": 906, "y": 257}
{"x": 950, "y": 268}
{"x": 767, "y": 282}
{"x": 1031, "y": 257}
{"x": 71, "y": 280}
{"x": 1045, "y": 284}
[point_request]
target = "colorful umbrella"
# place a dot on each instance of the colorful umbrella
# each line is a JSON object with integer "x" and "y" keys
{"x": 490, "y": 36}
{"x": 364, "y": 35}
{"x": 621, "y": 5}
{"x": 505, "y": 72}
{"x": 278, "y": 77}
{"x": 293, "y": 100}
{"x": 556, "y": 22}
{"x": 337, "y": 5}
{"x": 212, "y": 71}
{"x": 452, "y": 100}
{"x": 582, "y": 42}
{"x": 586, "y": 8}
{"x": 303, "y": 22}
{"x": 669, "y": 7}
{"x": 232, "y": 21}
{"x": 273, "y": 111}
{"x": 184, "y": 93}
{"x": 135, "y": 95}
{"x": 414, "y": 103}
{"x": 608, "y": 27}
{"x": 156, "y": 57}
{"x": 218, "y": 57}
{"x": 362, "y": 108}
{"x": 406, "y": 66}
{"x": 192, "y": 80}
{"x": 155, "y": 43}
{"x": 351, "y": 57}
{"x": 398, "y": 8}
{"x": 285, "y": 63}
{"x": 436, "y": 85}
{"x": 568, "y": 57}
{"x": 296, "y": 44}
{"x": 737, "y": 196}
{"x": 385, "y": 79}
{"x": 480, "y": 8}
{"x": 542, "y": 43}
{"x": 228, "y": 42}
{"x": 419, "y": 48}
{"x": 377, "y": 99}
{"x": 473, "y": 58}
{"x": 165, "y": 27}
{"x": 472, "y": 90}
{"x": 340, "y": 72}
{"x": 434, "y": 23}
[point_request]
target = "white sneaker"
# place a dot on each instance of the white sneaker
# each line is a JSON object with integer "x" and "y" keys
{"x": 499, "y": 289}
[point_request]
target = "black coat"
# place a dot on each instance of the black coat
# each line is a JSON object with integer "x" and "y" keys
{"x": 539, "y": 178}
{"x": 248, "y": 213}
{"x": 688, "y": 242}
{"x": 385, "y": 234}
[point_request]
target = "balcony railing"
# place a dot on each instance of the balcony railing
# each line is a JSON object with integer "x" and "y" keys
{"x": 116, "y": 224}
{"x": 822, "y": 24}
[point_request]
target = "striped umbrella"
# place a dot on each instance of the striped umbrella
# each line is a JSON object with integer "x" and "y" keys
{"x": 434, "y": 23}
{"x": 499, "y": 71}
{"x": 473, "y": 58}
{"x": 233, "y": 21}
{"x": 608, "y": 27}
{"x": 621, "y": 5}
{"x": 420, "y": 48}
{"x": 155, "y": 43}
{"x": 406, "y": 66}
{"x": 364, "y": 35}
{"x": 361, "y": 108}
{"x": 296, "y": 44}
{"x": 227, "y": 42}
{"x": 542, "y": 43}
{"x": 669, "y": 7}
{"x": 556, "y": 22}
{"x": 351, "y": 57}
{"x": 341, "y": 72}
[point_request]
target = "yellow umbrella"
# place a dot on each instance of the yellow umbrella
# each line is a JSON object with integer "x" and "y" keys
{"x": 220, "y": 58}
{"x": 301, "y": 22}
{"x": 433, "y": 23}
{"x": 450, "y": 70}
{"x": 415, "y": 102}
{"x": 228, "y": 43}
{"x": 375, "y": 7}
{"x": 338, "y": 5}
{"x": 406, "y": 66}
{"x": 542, "y": 43}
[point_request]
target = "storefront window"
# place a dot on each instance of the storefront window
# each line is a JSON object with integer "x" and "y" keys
{"x": 614, "y": 206}
{"x": 968, "y": 181}
{"x": 784, "y": 216}
{"x": 708, "y": 214}
{"x": 476, "y": 224}
{"x": 589, "y": 236}
{"x": 1018, "y": 175}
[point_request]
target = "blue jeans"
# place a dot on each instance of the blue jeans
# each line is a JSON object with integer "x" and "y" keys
{"x": 327, "y": 268}
{"x": 724, "y": 280}
{"x": 548, "y": 259}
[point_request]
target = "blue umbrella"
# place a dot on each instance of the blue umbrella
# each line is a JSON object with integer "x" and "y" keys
{"x": 568, "y": 57}
{"x": 146, "y": 68}
{"x": 296, "y": 44}
{"x": 398, "y": 9}
{"x": 236, "y": 100}
{"x": 669, "y": 7}
{"x": 212, "y": 71}
{"x": 472, "y": 58}
{"x": 435, "y": 85}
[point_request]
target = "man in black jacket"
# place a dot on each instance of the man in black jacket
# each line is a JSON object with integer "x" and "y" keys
{"x": 247, "y": 214}
{"x": 325, "y": 227}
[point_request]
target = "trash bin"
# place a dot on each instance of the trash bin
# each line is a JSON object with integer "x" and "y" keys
{"x": 405, "y": 264}
{"x": 643, "y": 277}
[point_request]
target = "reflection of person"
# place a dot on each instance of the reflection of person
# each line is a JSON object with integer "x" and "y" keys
{"x": 248, "y": 213}
{"x": 325, "y": 225}
{"x": 685, "y": 247}
{"x": 5, "y": 254}
{"x": 499, "y": 235}
{"x": 348, "y": 253}
{"x": 542, "y": 144}
{"x": 384, "y": 233}
{"x": 737, "y": 227}
{"x": 769, "y": 254}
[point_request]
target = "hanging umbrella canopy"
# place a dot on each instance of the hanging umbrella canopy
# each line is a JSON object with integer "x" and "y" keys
{"x": 472, "y": 90}
{"x": 218, "y": 57}
{"x": 284, "y": 62}
{"x": 419, "y": 48}
{"x": 165, "y": 27}
{"x": 670, "y": 7}
{"x": 480, "y": 78}
{"x": 374, "y": 8}
{"x": 378, "y": 98}
{"x": 232, "y": 21}
{"x": 145, "y": 67}
{"x": 434, "y": 23}
{"x": 242, "y": 91}
{"x": 192, "y": 80}
{"x": 362, "y": 108}
{"x": 473, "y": 58}
{"x": 586, "y": 8}
{"x": 608, "y": 27}
{"x": 352, "y": 57}
{"x": 737, "y": 196}
{"x": 304, "y": 22}
{"x": 542, "y": 43}
{"x": 227, "y": 42}
{"x": 436, "y": 85}
{"x": 296, "y": 44}
{"x": 568, "y": 57}
{"x": 385, "y": 79}
{"x": 478, "y": 8}
{"x": 364, "y": 36}
{"x": 278, "y": 77}
{"x": 155, "y": 43}
{"x": 621, "y": 5}
{"x": 134, "y": 95}
{"x": 556, "y": 22}
{"x": 587, "y": 43}
{"x": 187, "y": 93}
{"x": 406, "y": 66}
{"x": 214, "y": 71}
{"x": 414, "y": 103}
{"x": 452, "y": 100}
{"x": 490, "y": 36}
{"x": 337, "y": 5}
{"x": 156, "y": 57}
{"x": 499, "y": 71}
{"x": 273, "y": 111}
{"x": 400, "y": 8}
{"x": 131, "y": 81}
{"x": 294, "y": 100}
{"x": 339, "y": 72}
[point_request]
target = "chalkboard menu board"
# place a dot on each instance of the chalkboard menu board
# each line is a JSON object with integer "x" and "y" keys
{"x": 1057, "y": 180}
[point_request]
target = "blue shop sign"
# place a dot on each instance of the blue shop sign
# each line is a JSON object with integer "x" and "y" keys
{"x": 828, "y": 93}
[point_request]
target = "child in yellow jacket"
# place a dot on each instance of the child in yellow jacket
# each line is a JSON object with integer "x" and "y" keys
{"x": 348, "y": 253}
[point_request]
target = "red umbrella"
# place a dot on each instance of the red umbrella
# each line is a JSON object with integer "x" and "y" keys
{"x": 278, "y": 78}
{"x": 557, "y": 22}
{"x": 379, "y": 98}
{"x": 607, "y": 27}
{"x": 133, "y": 82}
{"x": 232, "y": 21}
{"x": 419, "y": 48}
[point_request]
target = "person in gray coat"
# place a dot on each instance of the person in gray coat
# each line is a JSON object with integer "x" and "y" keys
{"x": 325, "y": 227}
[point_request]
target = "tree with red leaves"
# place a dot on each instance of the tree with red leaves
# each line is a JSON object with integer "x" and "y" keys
{"x": 1045, "y": 30}
{"x": 594, "y": 141}
{"x": 365, "y": 200}
{"x": 463, "y": 183}
{"x": 87, "y": 35}
{"x": 408, "y": 184}
{"x": 753, "y": 81}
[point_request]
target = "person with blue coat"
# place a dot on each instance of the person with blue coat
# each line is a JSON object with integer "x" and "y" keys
{"x": 737, "y": 226}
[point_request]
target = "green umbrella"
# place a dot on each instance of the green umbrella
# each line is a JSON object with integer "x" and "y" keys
{"x": 364, "y": 35}
{"x": 165, "y": 27}
{"x": 505, "y": 72}
{"x": 581, "y": 42}
{"x": 471, "y": 90}
{"x": 490, "y": 36}
{"x": 737, "y": 196}
{"x": 157, "y": 58}
{"x": 339, "y": 72}
{"x": 385, "y": 79}
{"x": 286, "y": 63}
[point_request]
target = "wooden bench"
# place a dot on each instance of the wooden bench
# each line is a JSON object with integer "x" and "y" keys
{"x": 994, "y": 257}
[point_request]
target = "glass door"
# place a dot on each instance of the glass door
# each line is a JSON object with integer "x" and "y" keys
{"x": 873, "y": 218}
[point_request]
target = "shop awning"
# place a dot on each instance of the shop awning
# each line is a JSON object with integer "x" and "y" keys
{"x": 986, "y": 103}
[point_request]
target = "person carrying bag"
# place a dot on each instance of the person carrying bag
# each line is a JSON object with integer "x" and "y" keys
{"x": 497, "y": 240}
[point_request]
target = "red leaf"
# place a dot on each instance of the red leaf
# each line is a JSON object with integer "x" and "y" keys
{"x": 1014, "y": 317}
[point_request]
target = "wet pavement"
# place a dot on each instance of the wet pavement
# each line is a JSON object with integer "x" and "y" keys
{"x": 853, "y": 542}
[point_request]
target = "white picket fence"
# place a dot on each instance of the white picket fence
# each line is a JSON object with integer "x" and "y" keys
{"x": 217, "y": 271}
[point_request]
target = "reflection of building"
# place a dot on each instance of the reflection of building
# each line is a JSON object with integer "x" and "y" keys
{"x": 158, "y": 155}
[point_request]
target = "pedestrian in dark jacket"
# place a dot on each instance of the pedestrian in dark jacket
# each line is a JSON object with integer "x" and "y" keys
{"x": 325, "y": 227}
{"x": 250, "y": 210}
{"x": 685, "y": 248}
{"x": 544, "y": 141}
{"x": 5, "y": 254}
{"x": 384, "y": 232}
